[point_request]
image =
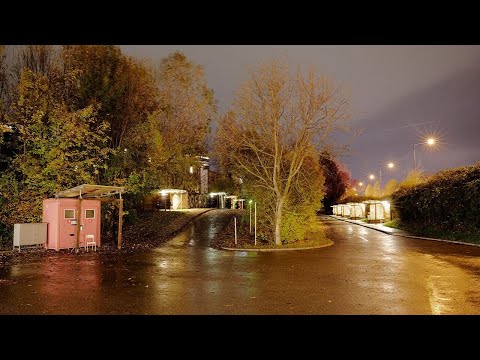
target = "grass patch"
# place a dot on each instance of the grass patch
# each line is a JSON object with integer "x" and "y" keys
{"x": 391, "y": 224}
{"x": 151, "y": 226}
{"x": 246, "y": 241}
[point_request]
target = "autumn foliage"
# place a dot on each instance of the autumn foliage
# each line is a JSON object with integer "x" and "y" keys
{"x": 448, "y": 201}
{"x": 272, "y": 139}
{"x": 90, "y": 114}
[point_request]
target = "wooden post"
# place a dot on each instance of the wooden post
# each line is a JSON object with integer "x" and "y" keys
{"x": 79, "y": 215}
{"x": 235, "y": 221}
{"x": 250, "y": 218}
{"x": 255, "y": 223}
{"x": 120, "y": 221}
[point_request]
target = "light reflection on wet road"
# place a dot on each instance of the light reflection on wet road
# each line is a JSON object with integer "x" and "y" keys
{"x": 365, "y": 272}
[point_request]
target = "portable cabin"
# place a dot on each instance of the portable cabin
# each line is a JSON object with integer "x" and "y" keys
{"x": 231, "y": 201}
{"x": 339, "y": 210}
{"x": 344, "y": 210}
{"x": 375, "y": 211}
{"x": 217, "y": 200}
{"x": 240, "y": 204}
{"x": 73, "y": 217}
{"x": 356, "y": 211}
{"x": 62, "y": 216}
{"x": 334, "y": 209}
{"x": 172, "y": 199}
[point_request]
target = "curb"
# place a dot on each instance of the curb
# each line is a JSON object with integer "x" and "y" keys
{"x": 408, "y": 236}
{"x": 364, "y": 225}
{"x": 442, "y": 240}
{"x": 273, "y": 250}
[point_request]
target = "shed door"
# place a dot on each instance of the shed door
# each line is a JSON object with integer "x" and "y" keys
{"x": 89, "y": 222}
{"x": 68, "y": 227}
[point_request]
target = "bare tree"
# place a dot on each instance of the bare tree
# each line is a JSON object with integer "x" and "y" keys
{"x": 280, "y": 120}
{"x": 40, "y": 59}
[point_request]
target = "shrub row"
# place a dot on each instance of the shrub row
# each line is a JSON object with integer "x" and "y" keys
{"x": 449, "y": 201}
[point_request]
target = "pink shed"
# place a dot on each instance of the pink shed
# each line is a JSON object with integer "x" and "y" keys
{"x": 62, "y": 216}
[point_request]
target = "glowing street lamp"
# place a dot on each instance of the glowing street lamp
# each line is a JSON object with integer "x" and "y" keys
{"x": 360, "y": 183}
{"x": 429, "y": 141}
{"x": 389, "y": 165}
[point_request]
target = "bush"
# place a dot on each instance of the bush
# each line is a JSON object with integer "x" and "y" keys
{"x": 449, "y": 201}
{"x": 131, "y": 217}
{"x": 6, "y": 237}
{"x": 293, "y": 227}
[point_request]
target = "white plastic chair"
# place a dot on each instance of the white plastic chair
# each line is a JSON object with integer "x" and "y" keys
{"x": 91, "y": 242}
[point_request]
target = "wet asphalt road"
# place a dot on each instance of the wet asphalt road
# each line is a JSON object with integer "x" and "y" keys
{"x": 365, "y": 272}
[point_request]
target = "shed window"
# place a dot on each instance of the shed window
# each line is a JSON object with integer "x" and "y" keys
{"x": 69, "y": 214}
{"x": 90, "y": 214}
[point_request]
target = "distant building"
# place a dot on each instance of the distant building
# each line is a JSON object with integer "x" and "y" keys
{"x": 204, "y": 169}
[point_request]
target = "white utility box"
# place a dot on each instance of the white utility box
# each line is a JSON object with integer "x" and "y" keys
{"x": 29, "y": 234}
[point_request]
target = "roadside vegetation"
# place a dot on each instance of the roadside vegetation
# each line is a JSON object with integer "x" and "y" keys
{"x": 317, "y": 236}
{"x": 444, "y": 206}
{"x": 79, "y": 114}
{"x": 272, "y": 139}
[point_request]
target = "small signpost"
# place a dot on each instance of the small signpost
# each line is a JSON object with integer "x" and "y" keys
{"x": 235, "y": 222}
{"x": 255, "y": 223}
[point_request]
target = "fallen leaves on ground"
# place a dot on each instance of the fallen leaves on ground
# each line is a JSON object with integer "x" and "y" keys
{"x": 152, "y": 229}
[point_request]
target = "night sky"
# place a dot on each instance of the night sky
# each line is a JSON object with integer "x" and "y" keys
{"x": 398, "y": 94}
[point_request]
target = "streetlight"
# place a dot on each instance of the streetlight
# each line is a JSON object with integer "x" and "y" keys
{"x": 430, "y": 142}
{"x": 389, "y": 165}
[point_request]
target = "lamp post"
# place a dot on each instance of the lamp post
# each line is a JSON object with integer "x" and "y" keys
{"x": 430, "y": 142}
{"x": 389, "y": 165}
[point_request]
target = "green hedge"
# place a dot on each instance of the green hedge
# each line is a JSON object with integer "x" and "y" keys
{"x": 449, "y": 201}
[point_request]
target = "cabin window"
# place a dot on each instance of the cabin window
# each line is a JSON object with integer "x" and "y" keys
{"x": 69, "y": 214}
{"x": 90, "y": 214}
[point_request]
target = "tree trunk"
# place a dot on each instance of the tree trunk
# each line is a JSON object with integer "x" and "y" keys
{"x": 278, "y": 221}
